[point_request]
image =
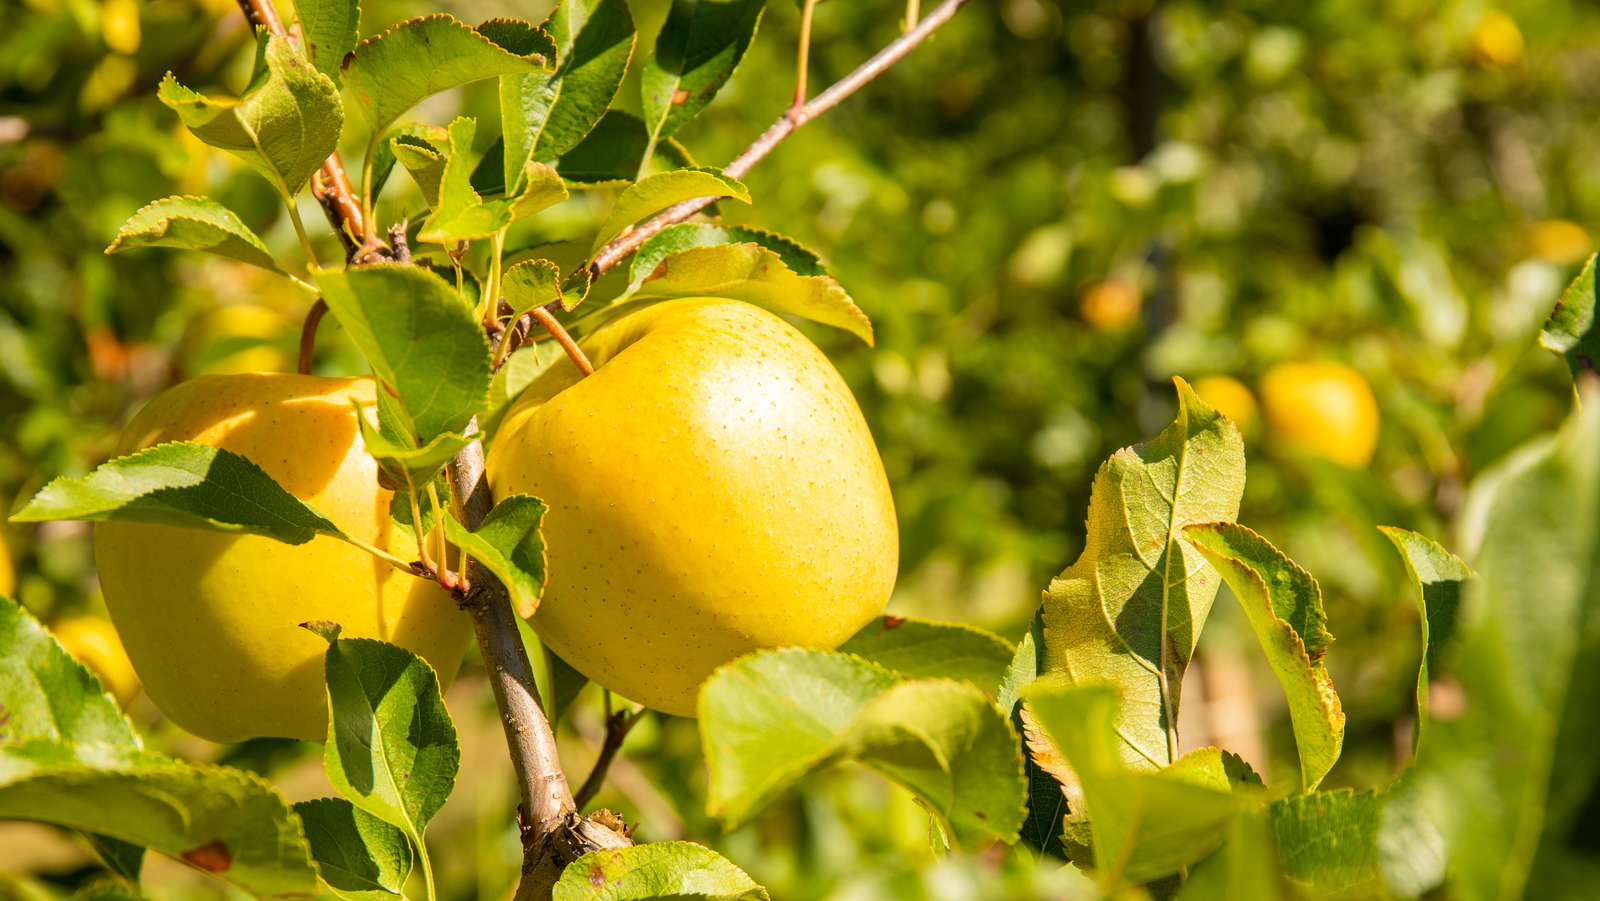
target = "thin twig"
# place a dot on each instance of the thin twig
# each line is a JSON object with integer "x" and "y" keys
{"x": 805, "y": 57}
{"x": 618, "y": 250}
{"x": 618, "y": 725}
{"x": 565, "y": 340}
{"x": 308, "y": 334}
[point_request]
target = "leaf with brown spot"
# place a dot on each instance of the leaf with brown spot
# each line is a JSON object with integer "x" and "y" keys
{"x": 213, "y": 857}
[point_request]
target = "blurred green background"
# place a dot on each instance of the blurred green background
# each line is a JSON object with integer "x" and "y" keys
{"x": 1048, "y": 211}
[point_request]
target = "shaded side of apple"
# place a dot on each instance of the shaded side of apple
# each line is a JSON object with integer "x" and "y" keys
{"x": 210, "y": 620}
{"x": 713, "y": 489}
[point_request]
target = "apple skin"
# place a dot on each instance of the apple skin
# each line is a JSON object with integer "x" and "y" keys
{"x": 1323, "y": 408}
{"x": 713, "y": 490}
{"x": 211, "y": 620}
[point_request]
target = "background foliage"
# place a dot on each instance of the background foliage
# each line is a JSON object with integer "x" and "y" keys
{"x": 1401, "y": 187}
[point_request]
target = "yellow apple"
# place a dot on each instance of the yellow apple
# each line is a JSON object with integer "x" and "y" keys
{"x": 1231, "y": 398}
{"x": 1325, "y": 409}
{"x": 95, "y": 644}
{"x": 713, "y": 490}
{"x": 211, "y": 620}
{"x": 8, "y": 572}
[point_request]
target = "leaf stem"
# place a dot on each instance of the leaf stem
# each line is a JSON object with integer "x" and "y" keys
{"x": 369, "y": 231}
{"x": 416, "y": 528}
{"x": 438, "y": 529}
{"x": 623, "y": 245}
{"x": 300, "y": 230}
{"x": 427, "y": 868}
{"x": 913, "y": 7}
{"x": 489, "y": 304}
{"x": 385, "y": 556}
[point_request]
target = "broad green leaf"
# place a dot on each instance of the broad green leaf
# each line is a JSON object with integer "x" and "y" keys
{"x": 125, "y": 859}
{"x": 1246, "y": 866}
{"x": 405, "y": 462}
{"x": 655, "y": 193}
{"x": 391, "y": 745}
{"x": 697, "y": 50}
{"x": 1437, "y": 575}
{"x": 1514, "y": 770}
{"x": 921, "y": 648}
{"x": 360, "y": 857}
{"x": 1145, "y": 824}
{"x": 535, "y": 283}
{"x": 394, "y": 71}
{"x": 226, "y": 822}
{"x": 459, "y": 214}
{"x": 509, "y": 545}
{"x": 518, "y": 371}
{"x": 420, "y": 135}
{"x": 194, "y": 223}
{"x": 685, "y": 235}
{"x": 285, "y": 124}
{"x": 1284, "y": 606}
{"x": 1130, "y": 610}
{"x": 329, "y": 30}
{"x": 424, "y": 161}
{"x": 544, "y": 115}
{"x": 542, "y": 188}
{"x": 754, "y": 274}
{"x": 769, "y": 718}
{"x": 1329, "y": 839}
{"x": 46, "y": 694}
{"x": 1570, "y": 331}
{"x": 613, "y": 151}
{"x": 420, "y": 337}
{"x": 678, "y": 870}
{"x": 186, "y": 484}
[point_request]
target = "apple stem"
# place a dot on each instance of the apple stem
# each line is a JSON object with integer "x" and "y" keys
{"x": 619, "y": 249}
{"x": 308, "y": 335}
{"x": 565, "y": 340}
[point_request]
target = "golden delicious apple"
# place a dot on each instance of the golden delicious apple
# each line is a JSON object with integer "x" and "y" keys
{"x": 713, "y": 489}
{"x": 211, "y": 620}
{"x": 1323, "y": 408}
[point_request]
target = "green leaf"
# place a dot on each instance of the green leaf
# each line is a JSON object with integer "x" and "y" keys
{"x": 285, "y": 125}
{"x": 186, "y": 484}
{"x": 1570, "y": 331}
{"x": 1047, "y": 799}
{"x": 394, "y": 71}
{"x": 1284, "y": 606}
{"x": 655, "y": 193}
{"x": 125, "y": 859}
{"x": 542, "y": 188}
{"x": 1104, "y": 616}
{"x": 405, "y": 462}
{"x": 1246, "y": 866}
{"x": 424, "y": 161}
{"x": 509, "y": 545}
{"x": 679, "y": 870}
{"x": 685, "y": 235}
{"x": 525, "y": 364}
{"x": 1146, "y": 824}
{"x": 422, "y": 339}
{"x": 544, "y": 115}
{"x": 1329, "y": 839}
{"x": 921, "y": 648}
{"x": 769, "y": 718}
{"x": 360, "y": 857}
{"x": 329, "y": 30}
{"x": 46, "y": 694}
{"x": 1437, "y": 576}
{"x": 420, "y": 135}
{"x": 531, "y": 283}
{"x": 1511, "y": 774}
{"x": 459, "y": 213}
{"x": 392, "y": 747}
{"x": 613, "y": 151}
{"x": 194, "y": 223}
{"x": 755, "y": 275}
{"x": 697, "y": 50}
{"x": 226, "y": 822}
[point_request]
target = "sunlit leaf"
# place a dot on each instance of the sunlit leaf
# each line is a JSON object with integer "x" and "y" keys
{"x": 285, "y": 124}
{"x": 698, "y": 48}
{"x": 921, "y": 648}
{"x": 1437, "y": 575}
{"x": 194, "y": 223}
{"x": 509, "y": 545}
{"x": 680, "y": 870}
{"x": 329, "y": 29}
{"x": 360, "y": 857}
{"x": 655, "y": 193}
{"x": 1570, "y": 331}
{"x": 1284, "y": 606}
